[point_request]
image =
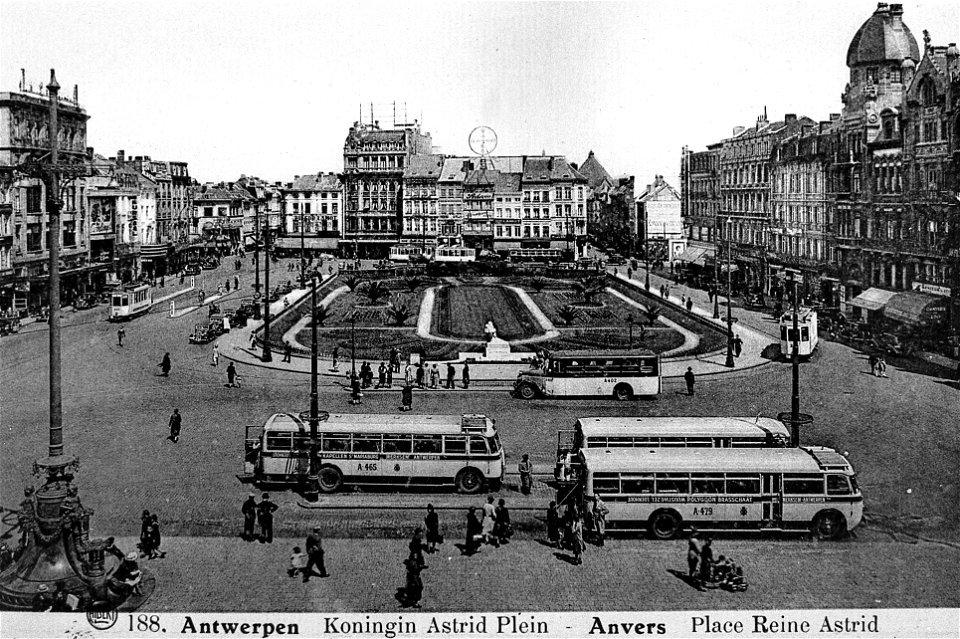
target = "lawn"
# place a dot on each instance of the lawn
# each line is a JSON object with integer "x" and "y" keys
{"x": 463, "y": 311}
{"x": 609, "y": 311}
{"x": 658, "y": 340}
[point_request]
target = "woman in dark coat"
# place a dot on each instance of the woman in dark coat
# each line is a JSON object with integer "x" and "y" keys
{"x": 553, "y": 525}
{"x": 432, "y": 521}
{"x": 502, "y": 528}
{"x": 473, "y": 531}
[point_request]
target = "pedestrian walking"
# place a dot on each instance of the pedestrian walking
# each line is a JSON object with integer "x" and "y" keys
{"x": 249, "y": 512}
{"x": 693, "y": 553}
{"x": 395, "y": 360}
{"x": 710, "y": 294}
{"x": 419, "y": 374}
{"x": 416, "y": 547}
{"x": 502, "y": 528}
{"x": 389, "y": 376}
{"x": 432, "y": 522}
{"x": 690, "y": 304}
{"x": 121, "y": 333}
{"x": 227, "y": 286}
{"x": 413, "y": 588}
{"x": 287, "y": 350}
{"x": 452, "y": 373}
{"x": 600, "y": 512}
{"x": 408, "y": 374}
{"x": 629, "y": 273}
{"x": 406, "y": 397}
{"x": 434, "y": 376}
{"x": 356, "y": 397}
{"x": 576, "y": 537}
{"x": 706, "y": 560}
{"x": 253, "y": 338}
{"x": 298, "y": 561}
{"x": 165, "y": 365}
{"x": 315, "y": 556}
{"x": 265, "y": 510}
{"x": 153, "y": 533}
{"x": 873, "y": 364}
{"x": 466, "y": 375}
{"x": 683, "y": 300}
{"x": 690, "y": 379}
{"x": 175, "y": 423}
{"x": 236, "y": 279}
{"x": 382, "y": 375}
{"x": 525, "y": 468}
{"x": 553, "y": 525}
{"x": 489, "y": 521}
{"x": 737, "y": 346}
{"x": 882, "y": 366}
{"x": 215, "y": 355}
{"x": 231, "y": 374}
{"x": 336, "y": 357}
{"x": 145, "y": 520}
{"x": 474, "y": 532}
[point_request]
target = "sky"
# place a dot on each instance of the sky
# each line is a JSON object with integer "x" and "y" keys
{"x": 271, "y": 88}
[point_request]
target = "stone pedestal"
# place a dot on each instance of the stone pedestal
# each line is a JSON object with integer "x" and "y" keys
{"x": 497, "y": 349}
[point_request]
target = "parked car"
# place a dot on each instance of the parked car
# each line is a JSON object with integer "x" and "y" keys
{"x": 892, "y": 344}
{"x": 192, "y": 269}
{"x": 9, "y": 325}
{"x": 615, "y": 259}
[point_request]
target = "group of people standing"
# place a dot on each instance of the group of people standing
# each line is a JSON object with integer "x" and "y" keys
{"x": 570, "y": 530}
{"x": 150, "y": 536}
{"x": 492, "y": 526}
{"x": 258, "y": 513}
{"x": 706, "y": 571}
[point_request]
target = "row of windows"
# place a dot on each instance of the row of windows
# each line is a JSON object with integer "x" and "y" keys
{"x": 334, "y": 208}
{"x": 715, "y": 484}
{"x": 385, "y": 443}
{"x": 642, "y": 366}
{"x": 313, "y": 194}
{"x": 313, "y": 225}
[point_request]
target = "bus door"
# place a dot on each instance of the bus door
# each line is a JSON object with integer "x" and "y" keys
{"x": 771, "y": 499}
{"x": 252, "y": 447}
{"x": 566, "y": 442}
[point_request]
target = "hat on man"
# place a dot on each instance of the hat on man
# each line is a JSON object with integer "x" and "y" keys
{"x": 131, "y": 556}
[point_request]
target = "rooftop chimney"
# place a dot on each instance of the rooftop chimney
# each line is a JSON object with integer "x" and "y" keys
{"x": 790, "y": 118}
{"x": 76, "y": 94}
{"x": 120, "y": 157}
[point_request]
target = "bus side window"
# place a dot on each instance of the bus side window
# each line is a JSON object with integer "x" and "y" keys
{"x": 455, "y": 445}
{"x": 642, "y": 485}
{"x": 743, "y": 484}
{"x": 279, "y": 441}
{"x": 335, "y": 442}
{"x": 366, "y": 443}
{"x": 803, "y": 484}
{"x": 837, "y": 485}
{"x": 606, "y": 483}
{"x": 707, "y": 485}
{"x": 396, "y": 444}
{"x": 673, "y": 483}
{"x": 426, "y": 443}
{"x": 478, "y": 445}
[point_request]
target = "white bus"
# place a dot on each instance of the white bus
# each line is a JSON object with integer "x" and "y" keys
{"x": 677, "y": 432}
{"x": 129, "y": 302}
{"x": 405, "y": 252}
{"x": 619, "y": 374}
{"x": 664, "y": 490}
{"x": 399, "y": 450}
{"x": 455, "y": 254}
{"x": 809, "y": 337}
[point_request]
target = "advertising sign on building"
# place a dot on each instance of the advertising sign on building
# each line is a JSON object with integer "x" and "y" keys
{"x": 102, "y": 213}
{"x": 932, "y": 289}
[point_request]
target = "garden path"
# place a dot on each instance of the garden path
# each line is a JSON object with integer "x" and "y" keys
{"x": 690, "y": 339}
{"x": 291, "y": 334}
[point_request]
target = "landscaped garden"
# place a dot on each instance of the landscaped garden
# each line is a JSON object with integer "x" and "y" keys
{"x": 385, "y": 311}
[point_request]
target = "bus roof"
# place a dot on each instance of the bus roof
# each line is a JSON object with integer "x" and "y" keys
{"x": 729, "y": 460}
{"x": 684, "y": 426}
{"x": 385, "y": 423}
{"x": 598, "y": 354}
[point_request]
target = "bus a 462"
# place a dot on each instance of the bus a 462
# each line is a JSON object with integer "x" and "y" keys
{"x": 618, "y": 374}
{"x": 399, "y": 450}
{"x": 664, "y": 490}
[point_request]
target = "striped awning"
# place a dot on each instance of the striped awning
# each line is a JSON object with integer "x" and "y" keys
{"x": 916, "y": 309}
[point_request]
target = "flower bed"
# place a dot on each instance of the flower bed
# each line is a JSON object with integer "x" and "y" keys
{"x": 463, "y": 311}
{"x": 658, "y": 340}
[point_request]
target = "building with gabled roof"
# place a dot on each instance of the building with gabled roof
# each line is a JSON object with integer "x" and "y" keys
{"x": 312, "y": 210}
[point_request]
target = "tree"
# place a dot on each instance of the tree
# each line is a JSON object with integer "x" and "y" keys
{"x": 352, "y": 282}
{"x": 538, "y": 284}
{"x": 589, "y": 288}
{"x": 321, "y": 315}
{"x": 652, "y": 314}
{"x": 399, "y": 314}
{"x": 376, "y": 291}
{"x": 567, "y": 314}
{"x": 413, "y": 282}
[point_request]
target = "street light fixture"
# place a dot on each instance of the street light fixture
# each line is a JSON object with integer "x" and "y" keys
{"x": 267, "y": 354}
{"x": 729, "y": 363}
{"x": 312, "y": 489}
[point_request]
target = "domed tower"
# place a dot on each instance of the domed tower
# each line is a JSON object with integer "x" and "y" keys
{"x": 877, "y": 60}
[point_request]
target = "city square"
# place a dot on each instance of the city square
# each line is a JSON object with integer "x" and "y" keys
{"x": 156, "y": 353}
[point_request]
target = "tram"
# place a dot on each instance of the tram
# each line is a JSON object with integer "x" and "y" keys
{"x": 130, "y": 302}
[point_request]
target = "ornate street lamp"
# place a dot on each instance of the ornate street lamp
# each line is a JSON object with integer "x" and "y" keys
{"x": 312, "y": 489}
{"x": 56, "y": 550}
{"x": 267, "y": 354}
{"x": 729, "y": 363}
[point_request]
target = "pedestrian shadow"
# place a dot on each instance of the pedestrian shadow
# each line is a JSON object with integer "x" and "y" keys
{"x": 683, "y": 393}
{"x": 685, "y": 578}
{"x": 548, "y": 544}
{"x": 562, "y": 556}
{"x": 465, "y": 550}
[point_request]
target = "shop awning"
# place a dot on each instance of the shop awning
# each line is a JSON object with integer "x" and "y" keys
{"x": 873, "y": 299}
{"x": 692, "y": 254}
{"x": 309, "y": 243}
{"x": 916, "y": 309}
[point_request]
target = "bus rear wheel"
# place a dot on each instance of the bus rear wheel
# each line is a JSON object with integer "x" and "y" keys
{"x": 829, "y": 524}
{"x": 665, "y": 524}
{"x": 528, "y": 391}
{"x": 330, "y": 479}
{"x": 622, "y": 392}
{"x": 469, "y": 481}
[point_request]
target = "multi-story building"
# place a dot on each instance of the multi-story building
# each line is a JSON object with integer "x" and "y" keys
{"x": 700, "y": 178}
{"x": 450, "y": 199}
{"x": 610, "y": 208}
{"x": 312, "y": 207}
{"x": 24, "y": 221}
{"x": 220, "y": 213}
{"x": 660, "y": 226}
{"x": 508, "y": 222}
{"x": 421, "y": 201}
{"x": 374, "y": 160}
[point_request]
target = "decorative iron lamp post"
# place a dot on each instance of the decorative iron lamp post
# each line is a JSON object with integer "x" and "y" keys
{"x": 56, "y": 551}
{"x": 267, "y": 354}
{"x": 729, "y": 363}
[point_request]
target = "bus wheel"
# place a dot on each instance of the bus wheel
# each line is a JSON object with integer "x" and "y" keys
{"x": 665, "y": 524}
{"x": 469, "y": 481}
{"x": 829, "y": 524}
{"x": 528, "y": 391}
{"x": 330, "y": 479}
{"x": 622, "y": 392}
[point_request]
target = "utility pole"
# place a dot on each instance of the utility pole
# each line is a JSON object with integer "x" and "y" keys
{"x": 267, "y": 354}
{"x": 729, "y": 363}
{"x": 312, "y": 491}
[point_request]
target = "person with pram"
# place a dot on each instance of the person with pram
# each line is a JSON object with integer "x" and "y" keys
{"x": 707, "y": 573}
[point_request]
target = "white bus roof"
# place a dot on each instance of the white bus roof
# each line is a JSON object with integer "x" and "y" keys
{"x": 385, "y": 423}
{"x": 719, "y": 460}
{"x": 680, "y": 426}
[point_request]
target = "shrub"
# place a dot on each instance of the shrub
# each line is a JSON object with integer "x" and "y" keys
{"x": 399, "y": 314}
{"x": 653, "y": 313}
{"x": 376, "y": 291}
{"x": 352, "y": 282}
{"x": 589, "y": 288}
{"x": 567, "y": 314}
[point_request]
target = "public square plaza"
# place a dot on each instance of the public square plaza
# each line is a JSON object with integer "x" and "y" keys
{"x": 900, "y": 434}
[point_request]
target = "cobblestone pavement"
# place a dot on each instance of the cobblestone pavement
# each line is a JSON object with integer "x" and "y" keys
{"x": 625, "y": 574}
{"x": 900, "y": 433}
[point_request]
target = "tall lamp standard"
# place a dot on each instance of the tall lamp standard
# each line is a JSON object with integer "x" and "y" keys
{"x": 267, "y": 354}
{"x": 729, "y": 362}
{"x": 716, "y": 280}
{"x": 646, "y": 252}
{"x": 312, "y": 489}
{"x": 303, "y": 259}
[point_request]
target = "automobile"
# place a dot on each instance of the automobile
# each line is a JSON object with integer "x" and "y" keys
{"x": 615, "y": 259}
{"x": 324, "y": 257}
{"x": 192, "y": 269}
{"x": 9, "y": 325}
{"x": 892, "y": 344}
{"x": 210, "y": 263}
